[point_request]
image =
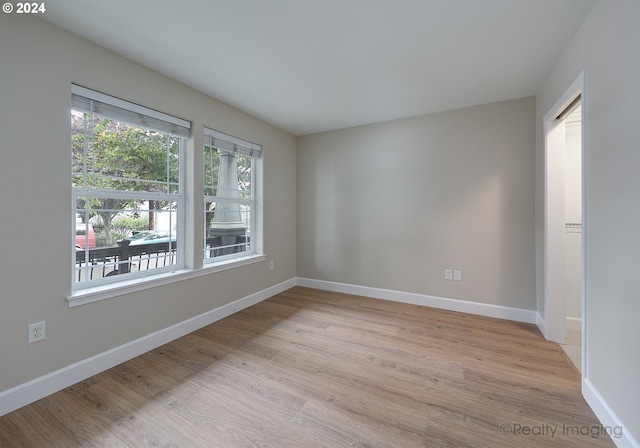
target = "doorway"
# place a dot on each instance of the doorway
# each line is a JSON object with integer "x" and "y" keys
{"x": 564, "y": 242}
{"x": 573, "y": 233}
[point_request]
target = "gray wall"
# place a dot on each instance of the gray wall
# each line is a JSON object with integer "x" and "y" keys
{"x": 38, "y": 63}
{"x": 391, "y": 205}
{"x": 606, "y": 49}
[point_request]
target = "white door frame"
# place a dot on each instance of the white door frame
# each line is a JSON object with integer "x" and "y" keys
{"x": 554, "y": 218}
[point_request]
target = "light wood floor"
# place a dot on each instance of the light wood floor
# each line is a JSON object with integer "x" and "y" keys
{"x": 309, "y": 368}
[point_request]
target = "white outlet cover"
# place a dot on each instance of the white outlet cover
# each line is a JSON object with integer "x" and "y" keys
{"x": 36, "y": 332}
{"x": 457, "y": 276}
{"x": 448, "y": 274}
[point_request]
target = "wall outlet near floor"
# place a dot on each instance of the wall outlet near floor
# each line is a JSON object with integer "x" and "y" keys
{"x": 272, "y": 265}
{"x": 37, "y": 332}
{"x": 448, "y": 274}
{"x": 457, "y": 276}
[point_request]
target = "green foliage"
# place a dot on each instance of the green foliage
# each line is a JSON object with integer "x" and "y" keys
{"x": 125, "y": 225}
{"x": 113, "y": 156}
{"x": 122, "y": 157}
{"x": 98, "y": 226}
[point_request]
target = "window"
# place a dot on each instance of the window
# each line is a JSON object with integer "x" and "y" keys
{"x": 127, "y": 189}
{"x": 229, "y": 196}
{"x": 130, "y": 210}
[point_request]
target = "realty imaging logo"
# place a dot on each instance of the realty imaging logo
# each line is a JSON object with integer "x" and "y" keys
{"x": 547, "y": 430}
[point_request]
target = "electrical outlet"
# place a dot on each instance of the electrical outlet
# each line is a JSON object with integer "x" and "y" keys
{"x": 448, "y": 274}
{"x": 37, "y": 332}
{"x": 457, "y": 276}
{"x": 272, "y": 265}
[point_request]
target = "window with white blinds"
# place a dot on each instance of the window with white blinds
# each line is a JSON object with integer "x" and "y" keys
{"x": 229, "y": 196}
{"x": 127, "y": 184}
{"x": 131, "y": 213}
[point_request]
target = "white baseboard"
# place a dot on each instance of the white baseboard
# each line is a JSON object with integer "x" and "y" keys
{"x": 573, "y": 324}
{"x": 610, "y": 421}
{"x": 542, "y": 325}
{"x": 601, "y": 409}
{"x": 23, "y": 394}
{"x": 38, "y": 388}
{"x": 481, "y": 309}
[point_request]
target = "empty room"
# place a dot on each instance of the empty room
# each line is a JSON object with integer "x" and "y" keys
{"x": 319, "y": 223}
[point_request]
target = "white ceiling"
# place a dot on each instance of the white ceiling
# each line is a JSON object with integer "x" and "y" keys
{"x": 313, "y": 65}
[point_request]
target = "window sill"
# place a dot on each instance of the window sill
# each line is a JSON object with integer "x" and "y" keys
{"x": 97, "y": 293}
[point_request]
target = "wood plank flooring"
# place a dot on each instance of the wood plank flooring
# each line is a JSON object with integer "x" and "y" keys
{"x": 310, "y": 368}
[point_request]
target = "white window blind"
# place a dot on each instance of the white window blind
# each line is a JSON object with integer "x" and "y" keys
{"x": 231, "y": 144}
{"x": 90, "y": 101}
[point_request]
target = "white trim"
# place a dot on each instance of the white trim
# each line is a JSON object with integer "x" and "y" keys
{"x": 585, "y": 222}
{"x": 26, "y": 393}
{"x": 108, "y": 99}
{"x": 575, "y": 90}
{"x": 464, "y": 306}
{"x": 31, "y": 391}
{"x": 607, "y": 416}
{"x": 554, "y": 225}
{"x": 107, "y": 291}
{"x": 231, "y": 139}
{"x": 601, "y": 409}
{"x": 554, "y": 229}
{"x": 573, "y": 324}
{"x": 542, "y": 326}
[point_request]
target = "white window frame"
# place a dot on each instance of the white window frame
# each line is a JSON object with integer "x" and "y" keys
{"x": 189, "y": 212}
{"x": 91, "y": 102}
{"x": 231, "y": 144}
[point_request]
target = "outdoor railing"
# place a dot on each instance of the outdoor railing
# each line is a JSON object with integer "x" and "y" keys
{"x": 124, "y": 258}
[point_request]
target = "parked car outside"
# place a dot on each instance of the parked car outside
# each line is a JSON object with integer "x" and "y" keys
{"x": 85, "y": 233}
{"x": 151, "y": 237}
